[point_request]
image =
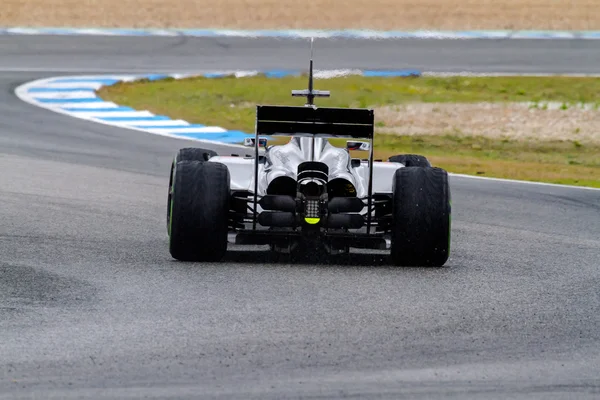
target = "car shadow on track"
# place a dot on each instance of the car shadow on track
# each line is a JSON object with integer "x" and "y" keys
{"x": 356, "y": 259}
{"x": 266, "y": 257}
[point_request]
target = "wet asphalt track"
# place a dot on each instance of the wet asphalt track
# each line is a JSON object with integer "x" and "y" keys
{"x": 92, "y": 305}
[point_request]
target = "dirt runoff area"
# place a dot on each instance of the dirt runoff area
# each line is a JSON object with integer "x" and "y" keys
{"x": 312, "y": 14}
{"x": 514, "y": 121}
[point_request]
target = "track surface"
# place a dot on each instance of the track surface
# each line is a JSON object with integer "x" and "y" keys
{"x": 80, "y": 54}
{"x": 92, "y": 305}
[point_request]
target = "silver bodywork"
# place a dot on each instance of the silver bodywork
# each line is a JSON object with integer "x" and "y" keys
{"x": 283, "y": 160}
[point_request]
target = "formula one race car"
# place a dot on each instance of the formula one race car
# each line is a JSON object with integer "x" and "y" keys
{"x": 308, "y": 194}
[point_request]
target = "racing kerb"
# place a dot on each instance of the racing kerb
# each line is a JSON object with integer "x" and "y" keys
{"x": 76, "y": 96}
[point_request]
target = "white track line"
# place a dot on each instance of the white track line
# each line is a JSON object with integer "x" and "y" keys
{"x": 175, "y": 129}
{"x": 165, "y": 123}
{"x": 92, "y": 105}
{"x": 508, "y": 74}
{"x": 524, "y": 182}
{"x": 108, "y": 114}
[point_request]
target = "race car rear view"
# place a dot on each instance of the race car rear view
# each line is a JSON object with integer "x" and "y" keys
{"x": 308, "y": 194}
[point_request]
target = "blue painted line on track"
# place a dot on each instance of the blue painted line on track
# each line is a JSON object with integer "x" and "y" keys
{"x": 74, "y": 101}
{"x": 101, "y": 80}
{"x": 155, "y": 77}
{"x": 391, "y": 74}
{"x": 280, "y": 73}
{"x": 62, "y": 90}
{"x": 215, "y": 75}
{"x": 224, "y": 137}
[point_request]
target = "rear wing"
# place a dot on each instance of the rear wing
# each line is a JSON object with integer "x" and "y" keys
{"x": 315, "y": 121}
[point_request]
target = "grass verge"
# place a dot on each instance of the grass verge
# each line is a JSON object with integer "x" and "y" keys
{"x": 230, "y": 102}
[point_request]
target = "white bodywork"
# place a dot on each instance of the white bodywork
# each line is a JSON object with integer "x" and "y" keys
{"x": 283, "y": 160}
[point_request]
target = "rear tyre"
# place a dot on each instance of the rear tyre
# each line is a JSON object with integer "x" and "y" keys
{"x": 194, "y": 154}
{"x": 199, "y": 211}
{"x": 411, "y": 160}
{"x": 421, "y": 217}
{"x": 186, "y": 154}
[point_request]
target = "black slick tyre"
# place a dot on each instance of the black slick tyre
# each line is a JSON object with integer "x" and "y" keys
{"x": 199, "y": 211}
{"x": 421, "y": 217}
{"x": 186, "y": 154}
{"x": 411, "y": 160}
{"x": 194, "y": 154}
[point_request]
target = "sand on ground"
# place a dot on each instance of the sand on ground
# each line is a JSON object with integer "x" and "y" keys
{"x": 513, "y": 121}
{"x": 315, "y": 14}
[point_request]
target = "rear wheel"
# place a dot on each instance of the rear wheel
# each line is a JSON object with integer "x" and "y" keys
{"x": 194, "y": 154}
{"x": 411, "y": 160}
{"x": 186, "y": 154}
{"x": 199, "y": 211}
{"x": 421, "y": 217}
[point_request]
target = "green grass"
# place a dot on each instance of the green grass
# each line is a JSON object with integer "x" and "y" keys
{"x": 553, "y": 161}
{"x": 230, "y": 102}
